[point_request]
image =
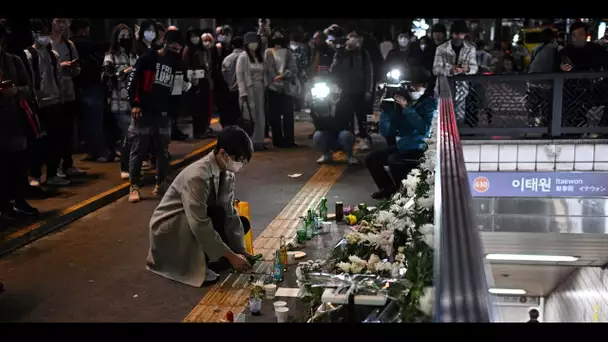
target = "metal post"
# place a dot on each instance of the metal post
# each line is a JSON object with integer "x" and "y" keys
{"x": 556, "y": 111}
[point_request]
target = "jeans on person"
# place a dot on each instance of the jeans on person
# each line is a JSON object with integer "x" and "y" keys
{"x": 49, "y": 150}
{"x": 144, "y": 132}
{"x": 197, "y": 107}
{"x": 281, "y": 116}
{"x": 230, "y": 116}
{"x": 123, "y": 121}
{"x": 70, "y": 110}
{"x": 327, "y": 142}
{"x": 400, "y": 163}
{"x": 92, "y": 111}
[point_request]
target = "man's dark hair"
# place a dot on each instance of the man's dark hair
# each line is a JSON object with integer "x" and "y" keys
{"x": 533, "y": 314}
{"x": 40, "y": 25}
{"x": 577, "y": 25}
{"x": 235, "y": 142}
{"x": 439, "y": 28}
{"x": 459, "y": 26}
{"x": 237, "y": 42}
{"x": 78, "y": 24}
{"x": 174, "y": 36}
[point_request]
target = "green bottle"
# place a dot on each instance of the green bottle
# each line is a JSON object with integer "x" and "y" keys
{"x": 310, "y": 225}
{"x": 277, "y": 271}
{"x": 323, "y": 210}
{"x": 302, "y": 230}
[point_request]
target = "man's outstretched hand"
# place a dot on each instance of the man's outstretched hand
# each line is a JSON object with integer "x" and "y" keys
{"x": 239, "y": 262}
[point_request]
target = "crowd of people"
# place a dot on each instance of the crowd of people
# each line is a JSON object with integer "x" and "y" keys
{"x": 123, "y": 99}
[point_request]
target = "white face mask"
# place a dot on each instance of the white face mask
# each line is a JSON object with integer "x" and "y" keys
{"x": 195, "y": 40}
{"x": 252, "y": 46}
{"x": 43, "y": 41}
{"x": 207, "y": 44}
{"x": 234, "y": 166}
{"x": 422, "y": 47}
{"x": 417, "y": 94}
{"x": 149, "y": 36}
{"x": 293, "y": 46}
{"x": 403, "y": 42}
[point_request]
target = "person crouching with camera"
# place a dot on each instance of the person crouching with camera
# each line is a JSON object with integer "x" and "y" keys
{"x": 406, "y": 116}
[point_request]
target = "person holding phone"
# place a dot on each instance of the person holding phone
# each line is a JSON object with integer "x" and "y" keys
{"x": 410, "y": 124}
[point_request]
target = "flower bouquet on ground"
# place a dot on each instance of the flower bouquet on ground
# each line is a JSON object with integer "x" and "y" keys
{"x": 255, "y": 297}
{"x": 393, "y": 243}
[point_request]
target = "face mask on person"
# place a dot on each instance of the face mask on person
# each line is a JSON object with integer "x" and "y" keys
{"x": 293, "y": 46}
{"x": 234, "y": 166}
{"x": 125, "y": 42}
{"x": 403, "y": 42}
{"x": 195, "y": 40}
{"x": 352, "y": 44}
{"x": 415, "y": 95}
{"x": 252, "y": 46}
{"x": 43, "y": 40}
{"x": 422, "y": 47}
{"x": 208, "y": 44}
{"x": 149, "y": 36}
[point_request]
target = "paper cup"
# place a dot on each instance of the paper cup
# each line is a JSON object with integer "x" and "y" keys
{"x": 271, "y": 290}
{"x": 281, "y": 314}
{"x": 326, "y": 228}
{"x": 291, "y": 258}
{"x": 279, "y": 304}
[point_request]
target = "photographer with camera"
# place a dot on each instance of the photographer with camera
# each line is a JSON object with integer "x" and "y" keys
{"x": 406, "y": 116}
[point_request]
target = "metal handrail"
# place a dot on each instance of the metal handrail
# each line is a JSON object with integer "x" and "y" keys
{"x": 460, "y": 273}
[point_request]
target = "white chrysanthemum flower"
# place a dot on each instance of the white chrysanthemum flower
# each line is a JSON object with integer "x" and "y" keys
{"x": 300, "y": 274}
{"x": 410, "y": 184}
{"x": 427, "y": 228}
{"x": 383, "y": 266}
{"x": 402, "y": 201}
{"x": 385, "y": 216}
{"x": 400, "y": 257}
{"x": 356, "y": 268}
{"x": 415, "y": 173}
{"x": 344, "y": 266}
{"x": 429, "y": 239}
{"x": 400, "y": 224}
{"x": 353, "y": 238}
{"x": 373, "y": 260}
{"x": 401, "y": 249}
{"x": 373, "y": 240}
{"x": 427, "y": 301}
{"x": 355, "y": 260}
{"x": 426, "y": 202}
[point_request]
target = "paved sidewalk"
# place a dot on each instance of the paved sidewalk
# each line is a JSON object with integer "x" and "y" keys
{"x": 99, "y": 187}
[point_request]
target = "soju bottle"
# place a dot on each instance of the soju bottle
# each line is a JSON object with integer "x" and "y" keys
{"x": 277, "y": 269}
{"x": 310, "y": 225}
{"x": 302, "y": 230}
{"x": 323, "y": 210}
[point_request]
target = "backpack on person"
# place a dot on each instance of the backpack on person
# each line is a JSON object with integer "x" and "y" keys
{"x": 36, "y": 78}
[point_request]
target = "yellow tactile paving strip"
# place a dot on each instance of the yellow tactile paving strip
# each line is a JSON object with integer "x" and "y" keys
{"x": 232, "y": 294}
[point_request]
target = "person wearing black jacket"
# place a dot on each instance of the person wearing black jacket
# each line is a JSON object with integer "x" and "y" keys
{"x": 198, "y": 60}
{"x": 156, "y": 76}
{"x": 147, "y": 36}
{"x": 14, "y": 89}
{"x": 90, "y": 90}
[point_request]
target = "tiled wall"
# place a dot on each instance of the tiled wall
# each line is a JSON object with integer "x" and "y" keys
{"x": 531, "y": 156}
{"x": 582, "y": 297}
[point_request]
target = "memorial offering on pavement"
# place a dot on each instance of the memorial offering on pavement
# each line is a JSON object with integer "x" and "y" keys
{"x": 382, "y": 270}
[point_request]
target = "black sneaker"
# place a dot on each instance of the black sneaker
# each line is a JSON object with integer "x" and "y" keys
{"x": 24, "y": 208}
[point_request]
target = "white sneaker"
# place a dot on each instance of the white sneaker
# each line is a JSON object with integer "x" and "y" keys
{"x": 324, "y": 159}
{"x": 57, "y": 181}
{"x": 124, "y": 175}
{"x": 74, "y": 172}
{"x": 352, "y": 161}
{"x": 35, "y": 182}
{"x": 210, "y": 275}
{"x": 61, "y": 174}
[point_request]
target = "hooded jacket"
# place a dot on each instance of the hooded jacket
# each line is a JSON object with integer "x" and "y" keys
{"x": 353, "y": 71}
{"x": 412, "y": 125}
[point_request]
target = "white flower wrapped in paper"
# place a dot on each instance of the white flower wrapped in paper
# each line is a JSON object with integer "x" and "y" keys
{"x": 426, "y": 202}
{"x": 353, "y": 238}
{"x": 372, "y": 262}
{"x": 344, "y": 266}
{"x": 411, "y": 184}
{"x": 427, "y": 301}
{"x": 355, "y": 260}
{"x": 428, "y": 230}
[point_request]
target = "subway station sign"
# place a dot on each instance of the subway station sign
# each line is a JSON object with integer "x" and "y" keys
{"x": 538, "y": 184}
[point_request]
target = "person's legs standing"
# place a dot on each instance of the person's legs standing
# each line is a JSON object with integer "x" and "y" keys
{"x": 139, "y": 136}
{"x": 92, "y": 111}
{"x": 288, "y": 120}
{"x": 274, "y": 116}
{"x": 161, "y": 137}
{"x": 258, "y": 115}
{"x": 231, "y": 115}
{"x": 52, "y": 116}
{"x": 18, "y": 183}
{"x": 5, "y": 204}
{"x": 70, "y": 111}
{"x": 375, "y": 162}
{"x": 123, "y": 120}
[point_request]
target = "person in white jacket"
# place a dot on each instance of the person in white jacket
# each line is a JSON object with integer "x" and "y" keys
{"x": 457, "y": 57}
{"x": 250, "y": 72}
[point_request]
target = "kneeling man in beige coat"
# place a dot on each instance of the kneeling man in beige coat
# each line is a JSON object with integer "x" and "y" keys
{"x": 196, "y": 222}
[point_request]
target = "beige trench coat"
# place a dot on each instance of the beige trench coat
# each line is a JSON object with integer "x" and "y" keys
{"x": 180, "y": 231}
